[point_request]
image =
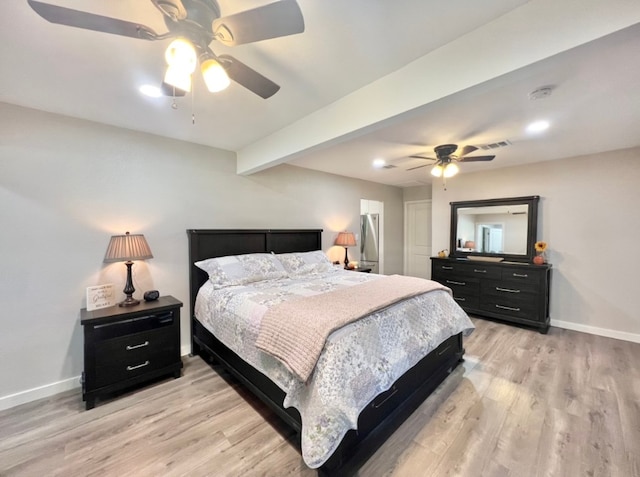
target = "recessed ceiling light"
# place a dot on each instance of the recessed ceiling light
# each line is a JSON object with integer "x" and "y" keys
{"x": 150, "y": 90}
{"x": 379, "y": 163}
{"x": 538, "y": 126}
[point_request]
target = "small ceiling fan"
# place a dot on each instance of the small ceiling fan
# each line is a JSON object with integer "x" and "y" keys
{"x": 445, "y": 160}
{"x": 200, "y": 23}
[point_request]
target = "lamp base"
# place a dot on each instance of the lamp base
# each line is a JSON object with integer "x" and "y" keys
{"x": 129, "y": 301}
{"x": 128, "y": 288}
{"x": 346, "y": 259}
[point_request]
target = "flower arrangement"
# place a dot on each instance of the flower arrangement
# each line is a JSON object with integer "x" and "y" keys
{"x": 540, "y": 248}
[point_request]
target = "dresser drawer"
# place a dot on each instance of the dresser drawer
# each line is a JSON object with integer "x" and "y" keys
{"x": 522, "y": 276}
{"x": 482, "y": 271}
{"x": 523, "y": 309}
{"x": 467, "y": 301}
{"x": 457, "y": 269}
{"x": 523, "y": 290}
{"x": 462, "y": 286}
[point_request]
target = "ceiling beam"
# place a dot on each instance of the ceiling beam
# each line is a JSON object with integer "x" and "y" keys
{"x": 530, "y": 33}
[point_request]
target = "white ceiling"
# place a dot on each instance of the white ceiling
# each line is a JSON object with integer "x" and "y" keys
{"x": 347, "y": 45}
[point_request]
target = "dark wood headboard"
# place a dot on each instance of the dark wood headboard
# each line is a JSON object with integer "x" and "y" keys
{"x": 211, "y": 243}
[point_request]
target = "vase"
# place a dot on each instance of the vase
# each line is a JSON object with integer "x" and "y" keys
{"x": 539, "y": 259}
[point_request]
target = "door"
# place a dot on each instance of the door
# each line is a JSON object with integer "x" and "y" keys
{"x": 417, "y": 238}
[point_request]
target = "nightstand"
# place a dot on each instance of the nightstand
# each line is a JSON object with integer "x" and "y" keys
{"x": 363, "y": 270}
{"x": 125, "y": 346}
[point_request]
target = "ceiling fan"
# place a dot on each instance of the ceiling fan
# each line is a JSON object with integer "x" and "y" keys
{"x": 446, "y": 159}
{"x": 199, "y": 22}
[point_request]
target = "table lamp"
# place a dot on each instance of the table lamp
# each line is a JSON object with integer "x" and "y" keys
{"x": 346, "y": 239}
{"x": 127, "y": 248}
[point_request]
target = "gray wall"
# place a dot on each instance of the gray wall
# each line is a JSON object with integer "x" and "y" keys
{"x": 418, "y": 192}
{"x": 588, "y": 214}
{"x": 67, "y": 185}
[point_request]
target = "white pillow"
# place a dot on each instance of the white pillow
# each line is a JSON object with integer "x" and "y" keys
{"x": 242, "y": 269}
{"x": 305, "y": 263}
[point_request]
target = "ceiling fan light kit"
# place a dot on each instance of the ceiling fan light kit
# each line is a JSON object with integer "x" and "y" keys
{"x": 194, "y": 25}
{"x": 446, "y": 170}
{"x": 215, "y": 77}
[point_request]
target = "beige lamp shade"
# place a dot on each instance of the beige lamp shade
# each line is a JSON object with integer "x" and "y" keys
{"x": 126, "y": 248}
{"x": 346, "y": 239}
{"x": 469, "y": 244}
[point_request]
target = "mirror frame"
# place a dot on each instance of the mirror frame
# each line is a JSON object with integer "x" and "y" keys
{"x": 532, "y": 226}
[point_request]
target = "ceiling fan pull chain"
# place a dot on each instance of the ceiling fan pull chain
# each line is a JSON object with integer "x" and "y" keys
{"x": 193, "y": 115}
{"x": 174, "y": 105}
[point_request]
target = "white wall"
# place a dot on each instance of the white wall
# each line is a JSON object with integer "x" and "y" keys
{"x": 589, "y": 216}
{"x": 67, "y": 185}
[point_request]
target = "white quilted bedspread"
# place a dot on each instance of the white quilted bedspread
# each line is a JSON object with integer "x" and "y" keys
{"x": 358, "y": 362}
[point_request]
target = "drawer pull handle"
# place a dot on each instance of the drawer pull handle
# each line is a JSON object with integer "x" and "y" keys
{"x": 447, "y": 268}
{"x": 141, "y": 345}
{"x": 377, "y": 405}
{"x": 440, "y": 353}
{"x": 521, "y": 275}
{"x": 456, "y": 283}
{"x": 459, "y": 299}
{"x": 131, "y": 368}
{"x": 510, "y": 308}
{"x": 508, "y": 290}
{"x": 479, "y": 271}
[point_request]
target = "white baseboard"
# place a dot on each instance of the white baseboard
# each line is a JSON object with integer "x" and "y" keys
{"x": 594, "y": 330}
{"x": 48, "y": 390}
{"x": 40, "y": 392}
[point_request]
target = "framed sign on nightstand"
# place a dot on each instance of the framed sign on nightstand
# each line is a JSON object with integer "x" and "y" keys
{"x": 101, "y": 296}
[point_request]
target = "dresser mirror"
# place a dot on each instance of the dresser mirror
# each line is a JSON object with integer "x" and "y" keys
{"x": 500, "y": 228}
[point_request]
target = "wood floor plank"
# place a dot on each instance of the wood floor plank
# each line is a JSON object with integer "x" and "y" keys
{"x": 522, "y": 405}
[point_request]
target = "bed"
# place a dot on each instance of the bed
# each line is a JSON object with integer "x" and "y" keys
{"x": 381, "y": 416}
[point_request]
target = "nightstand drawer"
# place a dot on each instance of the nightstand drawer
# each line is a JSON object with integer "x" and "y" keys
{"x": 131, "y": 326}
{"x": 142, "y": 364}
{"x": 135, "y": 347}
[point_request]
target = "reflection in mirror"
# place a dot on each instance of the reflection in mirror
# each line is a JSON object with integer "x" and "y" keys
{"x": 495, "y": 227}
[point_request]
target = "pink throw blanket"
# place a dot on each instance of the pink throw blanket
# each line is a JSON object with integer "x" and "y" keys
{"x": 295, "y": 331}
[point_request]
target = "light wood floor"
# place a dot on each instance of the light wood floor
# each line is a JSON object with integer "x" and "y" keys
{"x": 524, "y": 404}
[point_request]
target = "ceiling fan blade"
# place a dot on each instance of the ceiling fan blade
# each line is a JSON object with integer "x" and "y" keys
{"x": 247, "y": 77}
{"x": 418, "y": 167}
{"x": 467, "y": 150}
{"x": 476, "y": 158}
{"x": 422, "y": 157}
{"x": 277, "y": 19}
{"x": 90, "y": 21}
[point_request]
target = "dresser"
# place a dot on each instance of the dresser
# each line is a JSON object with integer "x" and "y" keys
{"x": 508, "y": 291}
{"x": 126, "y": 346}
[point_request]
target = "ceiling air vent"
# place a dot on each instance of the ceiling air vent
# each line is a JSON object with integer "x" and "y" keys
{"x": 389, "y": 166}
{"x": 495, "y": 145}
